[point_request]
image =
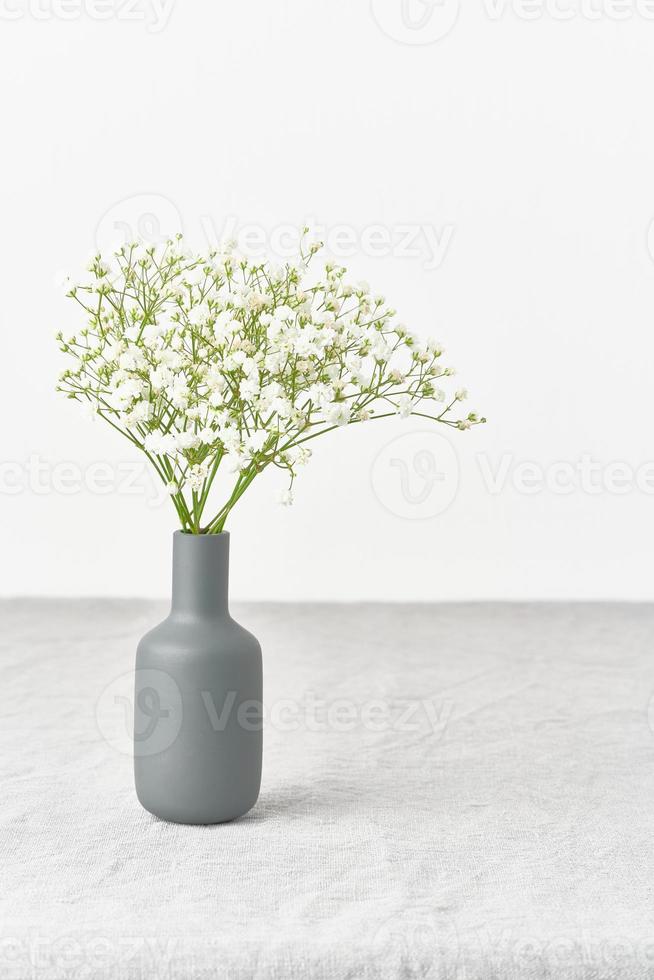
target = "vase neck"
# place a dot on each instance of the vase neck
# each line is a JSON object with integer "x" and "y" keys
{"x": 200, "y": 574}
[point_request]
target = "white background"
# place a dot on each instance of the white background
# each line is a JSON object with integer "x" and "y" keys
{"x": 525, "y": 145}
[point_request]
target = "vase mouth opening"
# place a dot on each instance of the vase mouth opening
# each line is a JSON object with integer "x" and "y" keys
{"x": 191, "y": 536}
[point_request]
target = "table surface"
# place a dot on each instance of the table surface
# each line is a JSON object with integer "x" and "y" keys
{"x": 460, "y": 791}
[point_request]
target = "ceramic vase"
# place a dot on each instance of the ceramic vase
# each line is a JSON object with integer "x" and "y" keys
{"x": 198, "y": 696}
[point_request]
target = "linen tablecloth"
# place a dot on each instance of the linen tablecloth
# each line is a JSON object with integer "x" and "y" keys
{"x": 461, "y": 791}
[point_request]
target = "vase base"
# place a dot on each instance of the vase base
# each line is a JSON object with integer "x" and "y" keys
{"x": 197, "y": 819}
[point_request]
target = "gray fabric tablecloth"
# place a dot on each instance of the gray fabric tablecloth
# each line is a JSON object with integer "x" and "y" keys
{"x": 461, "y": 791}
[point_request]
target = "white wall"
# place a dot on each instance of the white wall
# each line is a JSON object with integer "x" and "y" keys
{"x": 524, "y": 146}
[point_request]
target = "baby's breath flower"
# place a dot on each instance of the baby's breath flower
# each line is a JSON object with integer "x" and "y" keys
{"x": 197, "y": 475}
{"x": 285, "y": 498}
{"x": 218, "y": 361}
{"x": 404, "y": 406}
{"x": 338, "y": 413}
{"x": 63, "y": 282}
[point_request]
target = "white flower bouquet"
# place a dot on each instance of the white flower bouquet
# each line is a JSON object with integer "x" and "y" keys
{"x": 220, "y": 364}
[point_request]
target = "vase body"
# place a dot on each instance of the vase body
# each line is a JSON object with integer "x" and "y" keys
{"x": 198, "y": 697}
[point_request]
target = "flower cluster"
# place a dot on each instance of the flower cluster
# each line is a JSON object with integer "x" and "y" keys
{"x": 218, "y": 361}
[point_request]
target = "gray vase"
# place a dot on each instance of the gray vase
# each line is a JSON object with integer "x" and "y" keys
{"x": 198, "y": 698}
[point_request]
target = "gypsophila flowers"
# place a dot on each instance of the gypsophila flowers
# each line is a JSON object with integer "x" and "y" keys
{"x": 216, "y": 362}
